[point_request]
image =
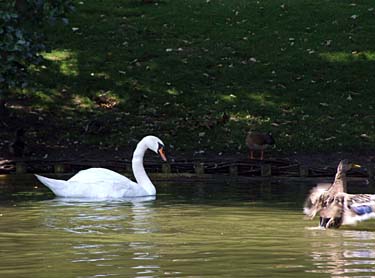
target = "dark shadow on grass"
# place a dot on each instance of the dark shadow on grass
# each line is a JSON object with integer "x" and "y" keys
{"x": 176, "y": 68}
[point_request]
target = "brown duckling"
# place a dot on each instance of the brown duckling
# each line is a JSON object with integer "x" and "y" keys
{"x": 335, "y": 206}
{"x": 258, "y": 141}
{"x": 17, "y": 146}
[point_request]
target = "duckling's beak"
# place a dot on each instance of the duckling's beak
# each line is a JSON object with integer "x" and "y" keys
{"x": 356, "y": 166}
{"x": 162, "y": 154}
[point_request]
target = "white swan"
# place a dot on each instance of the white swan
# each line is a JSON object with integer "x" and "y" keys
{"x": 101, "y": 183}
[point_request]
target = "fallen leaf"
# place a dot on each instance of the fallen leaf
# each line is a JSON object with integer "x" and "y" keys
{"x": 329, "y": 138}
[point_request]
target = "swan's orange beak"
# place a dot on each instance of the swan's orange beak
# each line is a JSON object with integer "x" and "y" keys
{"x": 162, "y": 154}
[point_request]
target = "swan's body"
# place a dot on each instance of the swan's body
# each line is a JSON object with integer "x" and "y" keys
{"x": 102, "y": 183}
{"x": 96, "y": 183}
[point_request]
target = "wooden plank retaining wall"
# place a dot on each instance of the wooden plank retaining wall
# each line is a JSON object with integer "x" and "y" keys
{"x": 239, "y": 168}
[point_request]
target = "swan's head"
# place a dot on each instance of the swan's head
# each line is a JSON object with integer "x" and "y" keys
{"x": 155, "y": 144}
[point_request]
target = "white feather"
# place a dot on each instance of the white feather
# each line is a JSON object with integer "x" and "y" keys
{"x": 352, "y": 220}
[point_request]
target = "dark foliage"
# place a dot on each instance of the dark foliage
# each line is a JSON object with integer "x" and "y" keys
{"x": 21, "y": 23}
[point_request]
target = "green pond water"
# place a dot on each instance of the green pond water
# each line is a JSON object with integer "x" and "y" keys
{"x": 188, "y": 230}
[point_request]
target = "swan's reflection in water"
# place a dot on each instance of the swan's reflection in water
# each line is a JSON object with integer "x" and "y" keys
{"x": 344, "y": 253}
{"x": 112, "y": 236}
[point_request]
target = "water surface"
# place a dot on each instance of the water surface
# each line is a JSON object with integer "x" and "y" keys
{"x": 190, "y": 230}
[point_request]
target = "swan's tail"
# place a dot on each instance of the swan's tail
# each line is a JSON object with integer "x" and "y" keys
{"x": 57, "y": 186}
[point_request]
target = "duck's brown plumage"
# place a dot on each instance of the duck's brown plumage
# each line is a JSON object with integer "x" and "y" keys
{"x": 258, "y": 141}
{"x": 335, "y": 206}
{"x": 346, "y": 209}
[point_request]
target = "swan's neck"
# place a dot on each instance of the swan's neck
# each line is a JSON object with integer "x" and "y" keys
{"x": 139, "y": 171}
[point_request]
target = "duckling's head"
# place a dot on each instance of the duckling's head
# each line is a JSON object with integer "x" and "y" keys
{"x": 331, "y": 216}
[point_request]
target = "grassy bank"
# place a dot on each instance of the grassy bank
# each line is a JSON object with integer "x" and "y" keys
{"x": 122, "y": 69}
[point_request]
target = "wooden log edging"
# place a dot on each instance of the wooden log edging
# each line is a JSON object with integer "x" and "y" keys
{"x": 28, "y": 180}
{"x": 249, "y": 168}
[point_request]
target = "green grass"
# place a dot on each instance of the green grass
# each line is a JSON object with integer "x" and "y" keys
{"x": 301, "y": 69}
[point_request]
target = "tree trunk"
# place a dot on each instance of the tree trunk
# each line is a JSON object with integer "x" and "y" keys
{"x": 3, "y": 110}
{"x": 2, "y": 107}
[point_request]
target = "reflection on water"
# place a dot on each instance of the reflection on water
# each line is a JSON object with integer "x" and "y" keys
{"x": 217, "y": 231}
{"x": 344, "y": 253}
{"x": 95, "y": 216}
{"x": 120, "y": 218}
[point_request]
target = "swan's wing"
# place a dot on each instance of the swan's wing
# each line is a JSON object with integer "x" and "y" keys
{"x": 94, "y": 175}
{"x": 358, "y": 207}
{"x": 105, "y": 183}
{"x": 60, "y": 187}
